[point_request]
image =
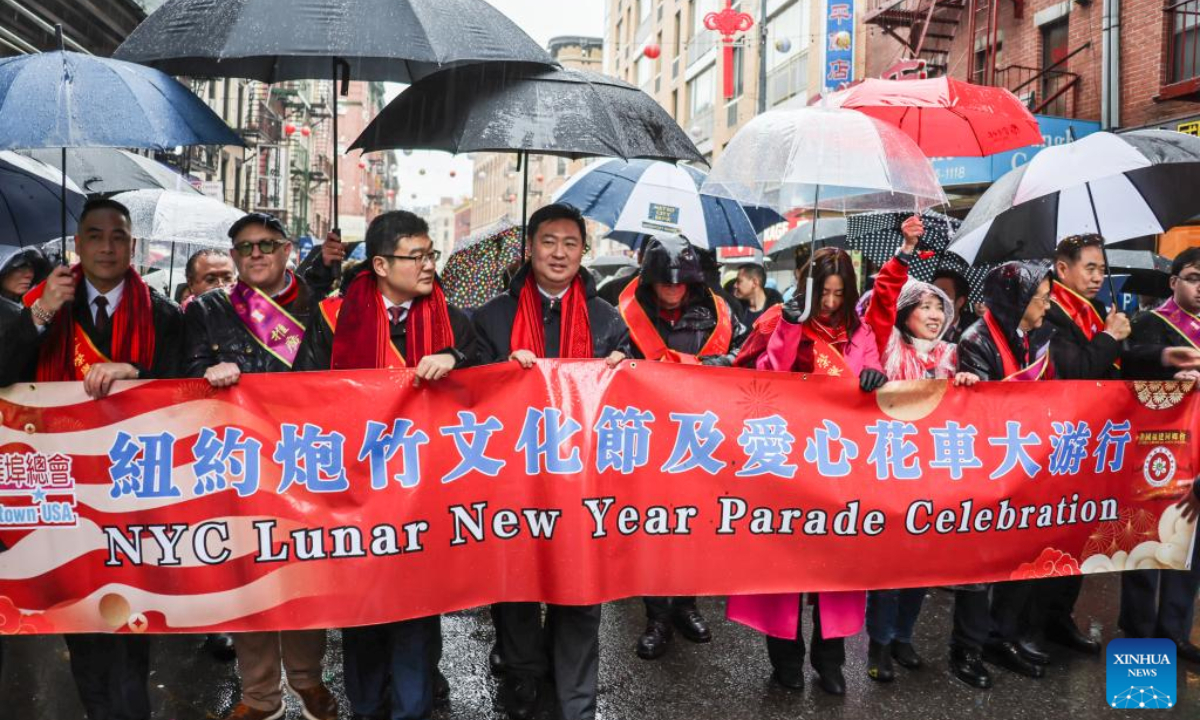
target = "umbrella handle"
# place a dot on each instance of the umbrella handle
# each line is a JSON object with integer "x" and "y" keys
{"x": 808, "y": 296}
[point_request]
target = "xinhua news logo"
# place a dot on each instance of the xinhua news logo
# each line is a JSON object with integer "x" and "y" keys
{"x": 1141, "y": 674}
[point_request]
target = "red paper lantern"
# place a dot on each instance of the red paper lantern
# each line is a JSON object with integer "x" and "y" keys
{"x": 652, "y": 51}
{"x": 539, "y": 177}
{"x": 453, "y": 174}
{"x": 305, "y": 131}
{"x": 289, "y": 129}
{"x": 362, "y": 165}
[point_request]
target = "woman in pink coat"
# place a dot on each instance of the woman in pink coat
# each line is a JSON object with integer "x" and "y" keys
{"x": 832, "y": 341}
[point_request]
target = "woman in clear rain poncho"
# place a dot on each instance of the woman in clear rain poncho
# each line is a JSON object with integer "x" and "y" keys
{"x": 909, "y": 319}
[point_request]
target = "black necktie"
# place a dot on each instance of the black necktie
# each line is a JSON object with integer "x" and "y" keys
{"x": 103, "y": 322}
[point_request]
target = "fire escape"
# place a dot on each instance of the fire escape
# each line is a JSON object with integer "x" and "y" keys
{"x": 926, "y": 30}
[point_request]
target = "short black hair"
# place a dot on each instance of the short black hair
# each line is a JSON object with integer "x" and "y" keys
{"x": 1191, "y": 256}
{"x": 104, "y": 204}
{"x": 755, "y": 271}
{"x": 555, "y": 211}
{"x": 267, "y": 220}
{"x": 189, "y": 270}
{"x": 1070, "y": 247}
{"x": 387, "y": 229}
{"x": 962, "y": 288}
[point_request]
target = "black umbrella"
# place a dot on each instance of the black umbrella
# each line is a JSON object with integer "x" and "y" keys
{"x": 30, "y": 199}
{"x": 830, "y": 232}
{"x": 528, "y": 109}
{"x": 277, "y": 40}
{"x": 106, "y": 171}
{"x": 1148, "y": 273}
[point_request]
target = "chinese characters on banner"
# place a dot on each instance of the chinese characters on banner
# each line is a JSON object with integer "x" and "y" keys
{"x": 839, "y": 44}
{"x": 171, "y": 506}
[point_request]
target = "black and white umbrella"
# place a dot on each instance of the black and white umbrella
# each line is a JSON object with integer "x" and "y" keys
{"x": 1120, "y": 186}
{"x": 878, "y": 235}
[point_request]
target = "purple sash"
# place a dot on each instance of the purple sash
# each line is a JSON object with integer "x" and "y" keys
{"x": 269, "y": 324}
{"x": 1036, "y": 370}
{"x": 1181, "y": 321}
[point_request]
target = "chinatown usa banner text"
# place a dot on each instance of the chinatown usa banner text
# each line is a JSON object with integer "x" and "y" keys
{"x": 348, "y": 498}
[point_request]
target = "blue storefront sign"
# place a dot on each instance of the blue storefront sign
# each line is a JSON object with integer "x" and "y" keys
{"x": 839, "y": 44}
{"x": 982, "y": 170}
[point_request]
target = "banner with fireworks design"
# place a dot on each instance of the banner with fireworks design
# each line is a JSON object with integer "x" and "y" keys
{"x": 174, "y": 507}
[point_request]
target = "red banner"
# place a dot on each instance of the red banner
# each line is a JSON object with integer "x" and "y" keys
{"x": 336, "y": 499}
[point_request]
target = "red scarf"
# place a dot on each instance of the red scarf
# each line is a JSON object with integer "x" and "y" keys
{"x": 361, "y": 339}
{"x": 67, "y": 353}
{"x": 529, "y": 331}
{"x": 1038, "y": 369}
{"x": 823, "y": 350}
{"x": 1082, "y": 312}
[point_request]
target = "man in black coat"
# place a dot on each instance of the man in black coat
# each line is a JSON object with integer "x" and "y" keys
{"x": 392, "y": 313}
{"x": 1162, "y": 603}
{"x": 674, "y": 317}
{"x": 256, "y": 327}
{"x": 99, "y": 323}
{"x": 551, "y": 311}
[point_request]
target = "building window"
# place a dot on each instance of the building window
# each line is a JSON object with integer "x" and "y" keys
{"x": 787, "y": 51}
{"x": 645, "y": 70}
{"x": 701, "y": 91}
{"x": 702, "y": 39}
{"x": 1183, "y": 41}
{"x": 644, "y": 8}
{"x": 739, "y": 71}
{"x": 1055, "y": 38}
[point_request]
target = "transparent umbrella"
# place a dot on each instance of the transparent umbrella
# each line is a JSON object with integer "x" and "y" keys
{"x": 825, "y": 159}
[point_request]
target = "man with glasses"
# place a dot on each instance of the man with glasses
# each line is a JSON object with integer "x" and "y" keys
{"x": 392, "y": 313}
{"x": 1164, "y": 345}
{"x": 551, "y": 310}
{"x": 257, "y": 326}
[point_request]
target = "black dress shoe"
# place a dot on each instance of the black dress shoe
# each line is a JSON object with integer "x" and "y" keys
{"x": 1031, "y": 651}
{"x": 967, "y": 666}
{"x": 832, "y": 681}
{"x": 879, "y": 662}
{"x": 220, "y": 647}
{"x": 496, "y": 660}
{"x": 441, "y": 690}
{"x": 519, "y": 697}
{"x": 1185, "y": 650}
{"x": 905, "y": 654}
{"x": 1066, "y": 633}
{"x": 1006, "y": 655}
{"x": 692, "y": 625}
{"x": 653, "y": 643}
{"x": 790, "y": 679}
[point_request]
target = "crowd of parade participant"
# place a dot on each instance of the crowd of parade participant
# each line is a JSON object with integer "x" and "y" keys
{"x": 98, "y": 322}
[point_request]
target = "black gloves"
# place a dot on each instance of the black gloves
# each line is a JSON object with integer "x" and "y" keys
{"x": 791, "y": 310}
{"x": 871, "y": 380}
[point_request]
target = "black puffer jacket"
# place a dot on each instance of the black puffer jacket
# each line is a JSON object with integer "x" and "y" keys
{"x": 18, "y": 342}
{"x": 494, "y": 321}
{"x": 1007, "y": 292}
{"x": 1097, "y": 357}
{"x": 215, "y": 334}
{"x": 689, "y": 333}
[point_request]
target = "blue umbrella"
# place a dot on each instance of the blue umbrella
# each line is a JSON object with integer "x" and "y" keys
{"x": 70, "y": 100}
{"x": 29, "y": 194}
{"x": 645, "y": 197}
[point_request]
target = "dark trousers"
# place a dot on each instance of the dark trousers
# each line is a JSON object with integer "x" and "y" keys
{"x": 892, "y": 614}
{"x": 972, "y": 620}
{"x": 569, "y": 642}
{"x": 1010, "y": 609}
{"x": 1053, "y": 602}
{"x": 402, "y": 655}
{"x": 787, "y": 656}
{"x": 111, "y": 673}
{"x": 660, "y": 608}
{"x": 1160, "y": 603}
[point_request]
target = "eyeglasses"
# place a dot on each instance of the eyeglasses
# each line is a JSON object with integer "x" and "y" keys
{"x": 1044, "y": 299}
{"x": 1189, "y": 279}
{"x": 430, "y": 257}
{"x": 266, "y": 247}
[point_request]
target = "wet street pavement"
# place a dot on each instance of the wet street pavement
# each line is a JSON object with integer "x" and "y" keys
{"x": 725, "y": 679}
